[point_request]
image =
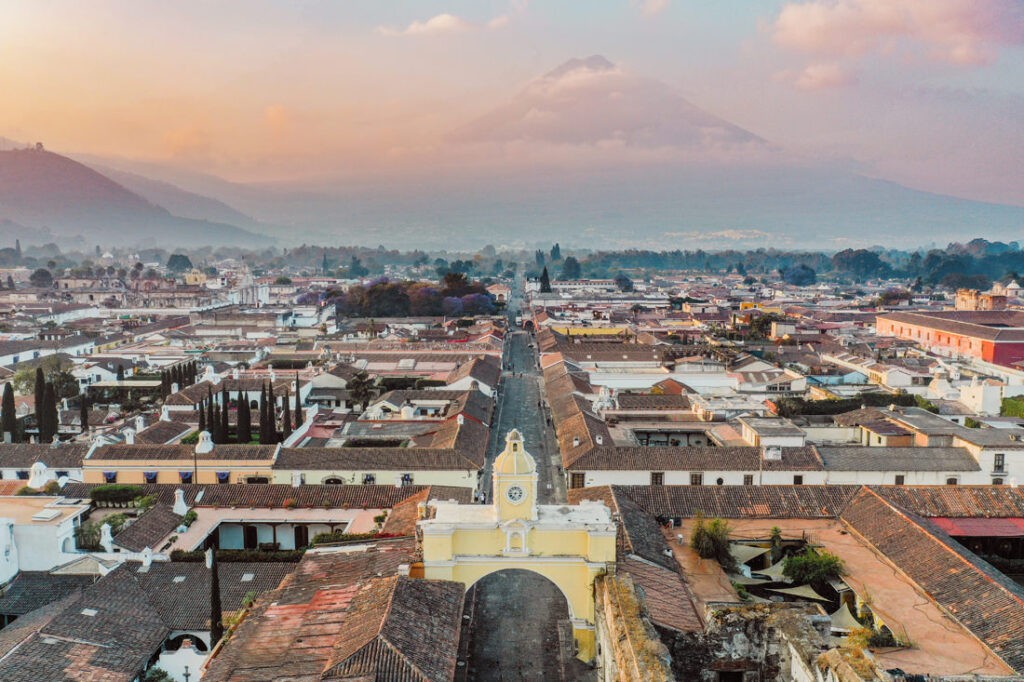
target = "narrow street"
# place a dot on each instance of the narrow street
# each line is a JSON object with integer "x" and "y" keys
{"x": 518, "y": 626}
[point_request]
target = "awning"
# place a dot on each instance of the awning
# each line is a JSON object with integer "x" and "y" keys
{"x": 843, "y": 620}
{"x": 744, "y": 553}
{"x": 744, "y": 580}
{"x": 150, "y": 476}
{"x": 801, "y": 591}
{"x": 981, "y": 528}
{"x": 110, "y": 476}
{"x": 774, "y": 571}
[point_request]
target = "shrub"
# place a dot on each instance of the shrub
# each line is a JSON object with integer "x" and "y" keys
{"x": 51, "y": 488}
{"x": 145, "y": 502}
{"x": 116, "y": 522}
{"x": 25, "y": 490}
{"x": 116, "y": 493}
{"x": 87, "y": 536}
{"x": 338, "y": 536}
{"x": 241, "y": 555}
{"x": 189, "y": 518}
{"x": 710, "y": 539}
{"x": 972, "y": 423}
{"x": 157, "y": 675}
{"x": 814, "y": 567}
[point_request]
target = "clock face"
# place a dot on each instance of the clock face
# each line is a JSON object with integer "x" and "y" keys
{"x": 515, "y": 494}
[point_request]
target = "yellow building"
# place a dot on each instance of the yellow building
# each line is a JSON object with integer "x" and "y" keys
{"x": 204, "y": 463}
{"x": 570, "y": 545}
{"x": 194, "y": 277}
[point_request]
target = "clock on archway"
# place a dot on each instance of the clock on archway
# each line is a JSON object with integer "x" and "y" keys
{"x": 515, "y": 494}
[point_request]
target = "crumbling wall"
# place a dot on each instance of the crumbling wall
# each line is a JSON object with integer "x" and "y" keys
{"x": 761, "y": 642}
{"x": 629, "y": 646}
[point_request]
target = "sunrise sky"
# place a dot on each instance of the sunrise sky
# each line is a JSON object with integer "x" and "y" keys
{"x": 929, "y": 93}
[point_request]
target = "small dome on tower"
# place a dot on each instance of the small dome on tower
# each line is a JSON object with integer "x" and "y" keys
{"x": 514, "y": 459}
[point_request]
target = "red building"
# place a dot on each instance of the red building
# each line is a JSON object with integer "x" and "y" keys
{"x": 995, "y": 336}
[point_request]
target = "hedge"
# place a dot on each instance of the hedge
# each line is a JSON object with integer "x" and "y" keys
{"x": 240, "y": 555}
{"x": 795, "y": 407}
{"x": 1011, "y": 407}
{"x": 338, "y": 536}
{"x": 116, "y": 492}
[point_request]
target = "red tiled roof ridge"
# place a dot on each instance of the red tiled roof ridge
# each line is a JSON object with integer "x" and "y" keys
{"x": 909, "y": 517}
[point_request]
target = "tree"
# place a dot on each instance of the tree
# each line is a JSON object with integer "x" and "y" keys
{"x": 211, "y": 423}
{"x": 49, "y": 420}
{"x": 538, "y": 257}
{"x": 710, "y": 539}
{"x": 359, "y": 389}
{"x": 120, "y": 372}
{"x": 356, "y": 269}
{"x": 799, "y": 275}
{"x": 624, "y": 283}
{"x": 556, "y": 253}
{"x": 243, "y": 428}
{"x": 216, "y": 615}
{"x": 264, "y": 438}
{"x": 202, "y": 417}
{"x": 216, "y": 425}
{"x": 282, "y": 280}
{"x": 860, "y": 263}
{"x": 179, "y": 262}
{"x": 39, "y": 394}
{"x": 545, "y": 281}
{"x": 225, "y": 426}
{"x": 298, "y": 403}
{"x": 41, "y": 278}
{"x": 271, "y": 414}
{"x": 813, "y": 567}
{"x": 286, "y": 419}
{"x": 10, "y": 282}
{"x": 571, "y": 268}
{"x": 8, "y": 415}
{"x": 83, "y": 412}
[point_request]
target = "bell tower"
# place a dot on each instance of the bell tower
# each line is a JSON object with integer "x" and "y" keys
{"x": 515, "y": 481}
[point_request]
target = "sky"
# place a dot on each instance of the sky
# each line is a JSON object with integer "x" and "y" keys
{"x": 927, "y": 93}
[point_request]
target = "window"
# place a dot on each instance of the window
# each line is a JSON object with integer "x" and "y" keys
{"x": 697, "y": 479}
{"x": 223, "y": 477}
{"x": 951, "y": 480}
{"x": 577, "y": 480}
{"x": 900, "y": 479}
{"x": 149, "y": 476}
{"x": 997, "y": 481}
{"x": 1000, "y": 462}
{"x": 110, "y": 476}
{"x": 23, "y": 475}
{"x": 748, "y": 479}
{"x": 62, "y": 474}
{"x": 185, "y": 476}
{"x": 720, "y": 481}
{"x": 406, "y": 479}
{"x": 657, "y": 478}
{"x": 369, "y": 479}
{"x": 798, "y": 480}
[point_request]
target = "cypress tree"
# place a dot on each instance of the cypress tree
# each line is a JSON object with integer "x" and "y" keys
{"x": 202, "y": 417}
{"x": 286, "y": 420}
{"x": 216, "y": 617}
{"x": 244, "y": 428}
{"x": 271, "y": 414}
{"x": 83, "y": 416}
{"x": 48, "y": 422}
{"x": 211, "y": 423}
{"x": 225, "y": 425}
{"x": 264, "y": 439}
{"x": 217, "y": 427}
{"x": 40, "y": 396}
{"x": 298, "y": 403}
{"x": 7, "y": 412}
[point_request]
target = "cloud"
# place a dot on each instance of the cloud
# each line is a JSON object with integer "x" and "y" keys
{"x": 818, "y": 76}
{"x": 961, "y": 32}
{"x": 651, "y": 7}
{"x": 277, "y": 119}
{"x": 442, "y": 24}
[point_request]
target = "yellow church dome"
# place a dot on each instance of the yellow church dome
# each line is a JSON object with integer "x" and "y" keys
{"x": 514, "y": 459}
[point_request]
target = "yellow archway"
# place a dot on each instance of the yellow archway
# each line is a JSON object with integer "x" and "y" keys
{"x": 568, "y": 545}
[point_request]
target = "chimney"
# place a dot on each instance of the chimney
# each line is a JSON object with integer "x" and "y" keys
{"x": 147, "y": 559}
{"x": 772, "y": 453}
{"x": 296, "y": 479}
{"x": 575, "y": 441}
{"x": 461, "y": 419}
{"x": 64, "y": 404}
{"x": 205, "y": 444}
{"x": 140, "y": 422}
{"x": 106, "y": 539}
{"x": 129, "y": 436}
{"x": 398, "y": 480}
{"x": 174, "y": 387}
{"x": 165, "y": 414}
{"x": 599, "y": 439}
{"x": 236, "y": 374}
{"x": 179, "y": 508}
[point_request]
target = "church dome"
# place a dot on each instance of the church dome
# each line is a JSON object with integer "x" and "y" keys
{"x": 514, "y": 459}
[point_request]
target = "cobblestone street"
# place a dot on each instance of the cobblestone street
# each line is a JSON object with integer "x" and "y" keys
{"x": 519, "y": 625}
